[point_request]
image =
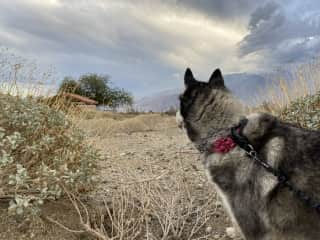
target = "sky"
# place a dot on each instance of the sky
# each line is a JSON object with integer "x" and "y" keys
{"x": 146, "y": 45}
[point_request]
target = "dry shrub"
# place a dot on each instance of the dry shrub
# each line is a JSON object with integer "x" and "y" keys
{"x": 150, "y": 211}
{"x": 150, "y": 206}
{"x": 298, "y": 101}
{"x": 304, "y": 80}
{"x": 40, "y": 150}
{"x": 305, "y": 112}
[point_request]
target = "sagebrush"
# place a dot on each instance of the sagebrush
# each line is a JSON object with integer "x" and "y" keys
{"x": 40, "y": 151}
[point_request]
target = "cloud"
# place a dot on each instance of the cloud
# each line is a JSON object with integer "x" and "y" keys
{"x": 262, "y": 13}
{"x": 283, "y": 35}
{"x": 144, "y": 44}
{"x": 139, "y": 44}
{"x": 227, "y": 10}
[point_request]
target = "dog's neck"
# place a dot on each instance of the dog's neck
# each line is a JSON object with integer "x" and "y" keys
{"x": 230, "y": 114}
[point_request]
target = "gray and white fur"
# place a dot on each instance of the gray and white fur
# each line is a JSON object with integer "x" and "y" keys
{"x": 259, "y": 206}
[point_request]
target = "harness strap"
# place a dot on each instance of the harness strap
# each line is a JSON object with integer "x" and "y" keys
{"x": 243, "y": 142}
{"x": 238, "y": 137}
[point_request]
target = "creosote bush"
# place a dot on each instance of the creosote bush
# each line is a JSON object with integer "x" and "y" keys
{"x": 40, "y": 151}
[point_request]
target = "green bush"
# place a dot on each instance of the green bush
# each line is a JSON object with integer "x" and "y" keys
{"x": 304, "y": 111}
{"x": 40, "y": 151}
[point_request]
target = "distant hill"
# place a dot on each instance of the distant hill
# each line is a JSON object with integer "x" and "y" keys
{"x": 245, "y": 86}
{"x": 159, "y": 102}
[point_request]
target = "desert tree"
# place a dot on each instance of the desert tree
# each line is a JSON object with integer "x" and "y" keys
{"x": 97, "y": 87}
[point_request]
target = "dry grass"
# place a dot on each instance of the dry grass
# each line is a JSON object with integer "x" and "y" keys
{"x": 94, "y": 114}
{"x": 304, "y": 80}
{"x": 22, "y": 77}
{"x": 112, "y": 123}
{"x": 149, "y": 211}
{"x": 151, "y": 206}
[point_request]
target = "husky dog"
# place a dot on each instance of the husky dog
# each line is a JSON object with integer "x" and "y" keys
{"x": 260, "y": 207}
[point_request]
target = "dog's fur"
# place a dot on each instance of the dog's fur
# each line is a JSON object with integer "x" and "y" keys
{"x": 259, "y": 206}
{"x": 179, "y": 120}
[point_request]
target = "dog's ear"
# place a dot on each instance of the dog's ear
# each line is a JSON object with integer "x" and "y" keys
{"x": 188, "y": 78}
{"x": 216, "y": 79}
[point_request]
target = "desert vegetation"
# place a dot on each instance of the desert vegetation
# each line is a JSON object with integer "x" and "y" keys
{"x": 40, "y": 152}
{"x": 98, "y": 88}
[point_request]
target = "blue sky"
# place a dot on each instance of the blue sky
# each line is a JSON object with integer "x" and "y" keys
{"x": 145, "y": 46}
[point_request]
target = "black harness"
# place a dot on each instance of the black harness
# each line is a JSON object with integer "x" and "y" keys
{"x": 243, "y": 142}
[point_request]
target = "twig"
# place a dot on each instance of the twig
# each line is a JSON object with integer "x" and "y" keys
{"x": 85, "y": 225}
{"x": 143, "y": 180}
{"x": 63, "y": 226}
{"x": 6, "y": 198}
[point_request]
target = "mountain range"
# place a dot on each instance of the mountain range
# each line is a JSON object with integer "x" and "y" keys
{"x": 247, "y": 87}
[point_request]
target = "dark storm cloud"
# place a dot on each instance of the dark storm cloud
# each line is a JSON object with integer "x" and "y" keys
{"x": 284, "y": 32}
{"x": 227, "y": 10}
{"x": 263, "y": 13}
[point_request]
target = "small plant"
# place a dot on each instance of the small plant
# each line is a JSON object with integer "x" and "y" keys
{"x": 40, "y": 151}
{"x": 304, "y": 111}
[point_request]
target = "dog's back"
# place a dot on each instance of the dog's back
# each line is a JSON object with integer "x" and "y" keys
{"x": 282, "y": 213}
{"x": 294, "y": 214}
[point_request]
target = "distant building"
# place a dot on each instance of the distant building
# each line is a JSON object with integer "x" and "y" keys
{"x": 80, "y": 101}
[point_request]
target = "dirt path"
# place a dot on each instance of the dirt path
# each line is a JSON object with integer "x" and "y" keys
{"x": 167, "y": 158}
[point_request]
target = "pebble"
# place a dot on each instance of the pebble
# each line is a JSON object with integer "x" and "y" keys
{"x": 200, "y": 186}
{"x": 209, "y": 229}
{"x": 24, "y": 226}
{"x": 231, "y": 232}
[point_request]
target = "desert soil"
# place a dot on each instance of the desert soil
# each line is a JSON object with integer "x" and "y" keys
{"x": 162, "y": 161}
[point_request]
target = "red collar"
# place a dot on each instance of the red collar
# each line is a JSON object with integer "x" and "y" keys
{"x": 222, "y": 145}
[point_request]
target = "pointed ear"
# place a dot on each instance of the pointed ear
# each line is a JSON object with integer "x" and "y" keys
{"x": 188, "y": 78}
{"x": 216, "y": 79}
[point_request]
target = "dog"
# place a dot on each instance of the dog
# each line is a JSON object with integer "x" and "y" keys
{"x": 260, "y": 206}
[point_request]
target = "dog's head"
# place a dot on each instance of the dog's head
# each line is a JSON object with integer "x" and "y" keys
{"x": 206, "y": 105}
